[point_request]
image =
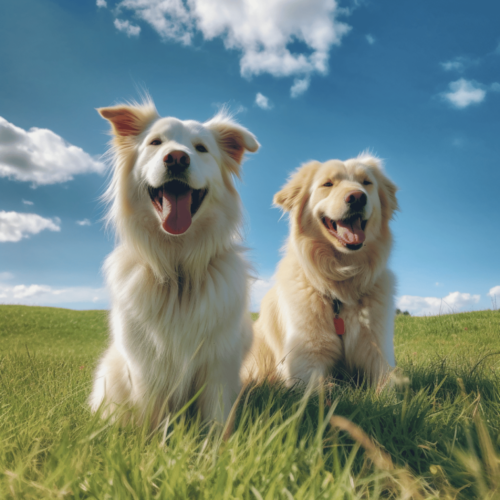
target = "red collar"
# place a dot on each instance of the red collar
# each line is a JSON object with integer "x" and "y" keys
{"x": 338, "y": 322}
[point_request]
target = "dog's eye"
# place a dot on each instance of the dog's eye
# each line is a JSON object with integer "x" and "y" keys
{"x": 367, "y": 183}
{"x": 327, "y": 184}
{"x": 201, "y": 148}
{"x": 156, "y": 142}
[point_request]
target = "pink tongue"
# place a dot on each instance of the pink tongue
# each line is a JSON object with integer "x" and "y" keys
{"x": 352, "y": 234}
{"x": 176, "y": 212}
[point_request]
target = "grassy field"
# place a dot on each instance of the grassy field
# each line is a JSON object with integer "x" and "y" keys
{"x": 436, "y": 436}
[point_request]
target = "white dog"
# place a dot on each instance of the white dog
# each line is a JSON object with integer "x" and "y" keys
{"x": 177, "y": 278}
{"x": 333, "y": 301}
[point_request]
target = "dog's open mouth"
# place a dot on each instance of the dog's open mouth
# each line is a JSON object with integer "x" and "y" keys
{"x": 350, "y": 231}
{"x": 176, "y": 203}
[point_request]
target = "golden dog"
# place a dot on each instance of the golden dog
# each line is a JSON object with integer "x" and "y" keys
{"x": 332, "y": 279}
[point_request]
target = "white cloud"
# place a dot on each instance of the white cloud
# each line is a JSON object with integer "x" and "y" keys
{"x": 257, "y": 291}
{"x": 84, "y": 222}
{"x": 26, "y": 202}
{"x": 171, "y": 19}
{"x": 24, "y": 292}
{"x": 300, "y": 85}
{"x": 262, "y": 31}
{"x": 6, "y": 276}
{"x": 40, "y": 156}
{"x": 101, "y": 3}
{"x": 44, "y": 295}
{"x": 262, "y": 101}
{"x": 15, "y": 226}
{"x": 431, "y": 306}
{"x": 464, "y": 93}
{"x": 127, "y": 28}
{"x": 457, "y": 64}
{"x": 240, "y": 109}
{"x": 494, "y": 292}
{"x": 370, "y": 39}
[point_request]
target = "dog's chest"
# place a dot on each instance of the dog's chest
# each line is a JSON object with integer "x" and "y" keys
{"x": 181, "y": 315}
{"x": 358, "y": 323}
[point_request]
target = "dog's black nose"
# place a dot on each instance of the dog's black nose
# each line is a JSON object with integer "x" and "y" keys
{"x": 177, "y": 161}
{"x": 356, "y": 199}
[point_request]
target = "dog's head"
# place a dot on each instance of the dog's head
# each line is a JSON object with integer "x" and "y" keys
{"x": 172, "y": 175}
{"x": 349, "y": 204}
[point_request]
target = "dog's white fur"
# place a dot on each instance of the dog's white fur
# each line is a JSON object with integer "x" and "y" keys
{"x": 295, "y": 338}
{"x": 178, "y": 319}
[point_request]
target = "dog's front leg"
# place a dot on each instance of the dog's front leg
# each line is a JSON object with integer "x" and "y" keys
{"x": 222, "y": 386}
{"x": 112, "y": 383}
{"x": 310, "y": 345}
{"x": 369, "y": 344}
{"x": 307, "y": 362}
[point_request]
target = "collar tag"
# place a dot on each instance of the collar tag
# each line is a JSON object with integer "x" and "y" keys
{"x": 339, "y": 326}
{"x": 338, "y": 322}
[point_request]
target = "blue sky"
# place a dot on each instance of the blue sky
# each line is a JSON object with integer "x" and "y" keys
{"x": 416, "y": 83}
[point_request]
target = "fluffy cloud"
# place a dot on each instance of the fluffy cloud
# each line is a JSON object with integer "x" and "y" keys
{"x": 494, "y": 293}
{"x": 262, "y": 101}
{"x": 101, "y": 3}
{"x": 40, "y": 156}
{"x": 127, "y": 28}
{"x": 15, "y": 226}
{"x": 457, "y": 64}
{"x": 370, "y": 39}
{"x": 431, "y": 306}
{"x": 300, "y": 85}
{"x": 463, "y": 93}
{"x": 257, "y": 291}
{"x": 44, "y": 295}
{"x": 84, "y": 222}
{"x": 262, "y": 31}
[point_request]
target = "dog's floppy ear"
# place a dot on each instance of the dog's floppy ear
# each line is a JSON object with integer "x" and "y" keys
{"x": 298, "y": 183}
{"x": 387, "y": 189}
{"x": 129, "y": 120}
{"x": 233, "y": 140}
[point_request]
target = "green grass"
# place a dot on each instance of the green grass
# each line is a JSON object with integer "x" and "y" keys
{"x": 440, "y": 428}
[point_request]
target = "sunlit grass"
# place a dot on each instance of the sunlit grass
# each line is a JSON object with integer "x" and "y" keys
{"x": 435, "y": 436}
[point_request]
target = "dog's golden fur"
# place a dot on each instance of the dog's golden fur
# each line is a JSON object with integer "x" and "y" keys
{"x": 294, "y": 337}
